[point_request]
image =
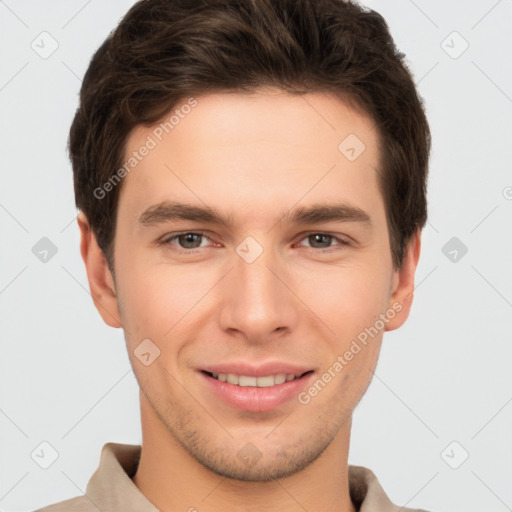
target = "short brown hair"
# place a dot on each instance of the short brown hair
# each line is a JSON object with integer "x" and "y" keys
{"x": 165, "y": 50}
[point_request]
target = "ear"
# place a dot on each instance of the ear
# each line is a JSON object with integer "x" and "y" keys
{"x": 402, "y": 290}
{"x": 101, "y": 282}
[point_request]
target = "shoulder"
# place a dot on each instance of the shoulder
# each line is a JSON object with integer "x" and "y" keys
{"x": 78, "y": 504}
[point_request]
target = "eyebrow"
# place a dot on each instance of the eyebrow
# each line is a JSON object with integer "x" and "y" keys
{"x": 167, "y": 211}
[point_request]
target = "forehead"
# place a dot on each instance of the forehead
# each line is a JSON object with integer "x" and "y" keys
{"x": 222, "y": 147}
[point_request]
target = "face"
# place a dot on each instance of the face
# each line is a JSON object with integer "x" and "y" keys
{"x": 252, "y": 255}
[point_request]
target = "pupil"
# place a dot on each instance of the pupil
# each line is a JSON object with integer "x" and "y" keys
{"x": 188, "y": 238}
{"x": 317, "y": 238}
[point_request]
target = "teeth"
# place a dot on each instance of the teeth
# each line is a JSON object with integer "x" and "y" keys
{"x": 265, "y": 382}
{"x": 243, "y": 380}
{"x": 280, "y": 378}
{"x": 260, "y": 382}
{"x": 232, "y": 378}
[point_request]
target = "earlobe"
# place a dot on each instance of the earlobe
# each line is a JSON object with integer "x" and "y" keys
{"x": 101, "y": 282}
{"x": 402, "y": 294}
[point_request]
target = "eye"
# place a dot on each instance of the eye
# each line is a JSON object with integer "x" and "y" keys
{"x": 189, "y": 240}
{"x": 324, "y": 241}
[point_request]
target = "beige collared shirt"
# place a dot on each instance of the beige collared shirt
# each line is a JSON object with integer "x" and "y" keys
{"x": 110, "y": 488}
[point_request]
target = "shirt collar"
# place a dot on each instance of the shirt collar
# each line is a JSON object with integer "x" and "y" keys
{"x": 110, "y": 488}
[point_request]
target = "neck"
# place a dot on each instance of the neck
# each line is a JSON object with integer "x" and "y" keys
{"x": 171, "y": 479}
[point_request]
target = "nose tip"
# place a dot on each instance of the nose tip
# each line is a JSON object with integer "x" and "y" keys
{"x": 256, "y": 302}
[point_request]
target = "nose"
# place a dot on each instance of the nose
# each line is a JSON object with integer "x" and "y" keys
{"x": 258, "y": 302}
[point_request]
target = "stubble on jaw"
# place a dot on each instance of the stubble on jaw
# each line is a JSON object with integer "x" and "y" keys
{"x": 223, "y": 455}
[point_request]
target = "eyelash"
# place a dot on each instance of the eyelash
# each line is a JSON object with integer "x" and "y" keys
{"x": 342, "y": 242}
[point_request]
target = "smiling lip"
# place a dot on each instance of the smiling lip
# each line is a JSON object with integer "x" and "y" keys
{"x": 252, "y": 398}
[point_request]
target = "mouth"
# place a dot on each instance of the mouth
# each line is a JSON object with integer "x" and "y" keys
{"x": 265, "y": 381}
{"x": 256, "y": 393}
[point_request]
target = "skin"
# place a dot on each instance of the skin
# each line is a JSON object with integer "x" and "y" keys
{"x": 252, "y": 157}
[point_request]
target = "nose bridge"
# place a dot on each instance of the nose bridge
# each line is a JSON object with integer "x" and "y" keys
{"x": 257, "y": 302}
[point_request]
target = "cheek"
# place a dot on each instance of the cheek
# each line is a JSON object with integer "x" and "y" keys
{"x": 161, "y": 301}
{"x": 347, "y": 299}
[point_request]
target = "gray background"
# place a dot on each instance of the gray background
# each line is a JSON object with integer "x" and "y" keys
{"x": 442, "y": 388}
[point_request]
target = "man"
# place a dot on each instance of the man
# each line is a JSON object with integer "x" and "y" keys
{"x": 251, "y": 179}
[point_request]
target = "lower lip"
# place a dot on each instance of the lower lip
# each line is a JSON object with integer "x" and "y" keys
{"x": 250, "y": 398}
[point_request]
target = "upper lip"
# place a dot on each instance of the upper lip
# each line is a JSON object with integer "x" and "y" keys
{"x": 261, "y": 370}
